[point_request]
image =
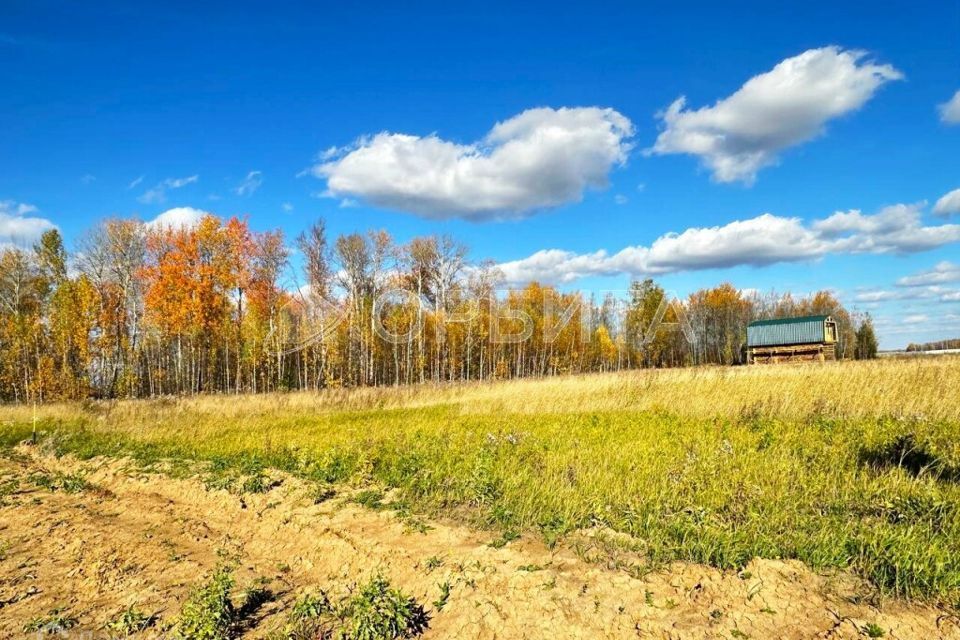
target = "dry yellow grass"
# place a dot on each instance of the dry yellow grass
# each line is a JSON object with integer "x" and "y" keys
{"x": 924, "y": 387}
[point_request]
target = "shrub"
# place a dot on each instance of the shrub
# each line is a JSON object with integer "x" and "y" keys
{"x": 374, "y": 612}
{"x": 310, "y": 618}
{"x": 130, "y": 621}
{"x": 378, "y": 612}
{"x": 208, "y": 613}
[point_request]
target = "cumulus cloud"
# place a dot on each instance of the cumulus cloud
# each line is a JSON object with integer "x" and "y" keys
{"x": 950, "y": 110}
{"x": 555, "y": 265}
{"x": 948, "y": 204}
{"x": 158, "y": 193}
{"x": 250, "y": 184}
{"x": 895, "y": 229}
{"x": 764, "y": 240}
{"x": 538, "y": 159}
{"x": 759, "y": 241}
{"x": 943, "y": 273}
{"x": 888, "y": 220}
{"x": 917, "y": 318}
{"x": 178, "y": 218}
{"x": 784, "y": 107}
{"x": 17, "y": 227}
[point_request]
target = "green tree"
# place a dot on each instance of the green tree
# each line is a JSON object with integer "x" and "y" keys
{"x": 645, "y": 299}
{"x": 866, "y": 340}
{"x": 52, "y": 257}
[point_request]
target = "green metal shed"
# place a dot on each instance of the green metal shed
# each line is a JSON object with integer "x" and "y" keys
{"x": 788, "y": 339}
{"x": 791, "y": 331}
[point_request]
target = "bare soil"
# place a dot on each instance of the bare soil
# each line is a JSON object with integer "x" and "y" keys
{"x": 145, "y": 538}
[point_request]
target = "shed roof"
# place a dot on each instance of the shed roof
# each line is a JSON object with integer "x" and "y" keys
{"x": 797, "y": 319}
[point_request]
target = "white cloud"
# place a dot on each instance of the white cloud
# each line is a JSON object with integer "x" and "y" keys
{"x": 895, "y": 229}
{"x": 950, "y": 110}
{"x": 11, "y": 208}
{"x": 555, "y": 265}
{"x": 888, "y": 220}
{"x": 876, "y": 296}
{"x": 178, "y": 218}
{"x": 948, "y": 204}
{"x": 763, "y": 240}
{"x": 250, "y": 184}
{"x": 784, "y": 107}
{"x": 759, "y": 241}
{"x": 17, "y": 229}
{"x": 158, "y": 193}
{"x": 176, "y": 183}
{"x": 621, "y": 199}
{"x": 943, "y": 273}
{"x": 286, "y": 206}
{"x": 538, "y": 159}
{"x": 136, "y": 182}
{"x": 931, "y": 292}
{"x": 953, "y": 296}
{"x": 917, "y": 318}
{"x": 154, "y": 195}
{"x": 329, "y": 153}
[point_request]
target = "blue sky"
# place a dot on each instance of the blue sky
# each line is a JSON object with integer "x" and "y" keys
{"x": 387, "y": 116}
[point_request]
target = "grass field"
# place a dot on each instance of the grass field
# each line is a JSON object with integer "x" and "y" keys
{"x": 847, "y": 465}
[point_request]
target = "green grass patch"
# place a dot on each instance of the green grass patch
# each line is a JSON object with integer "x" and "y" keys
{"x": 66, "y": 482}
{"x": 56, "y": 622}
{"x": 371, "y": 499}
{"x": 8, "y": 488}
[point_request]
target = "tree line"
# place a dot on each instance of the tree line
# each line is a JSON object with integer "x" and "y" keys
{"x": 938, "y": 345}
{"x": 140, "y": 310}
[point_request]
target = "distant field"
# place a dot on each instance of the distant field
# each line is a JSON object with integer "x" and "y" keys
{"x": 845, "y": 465}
